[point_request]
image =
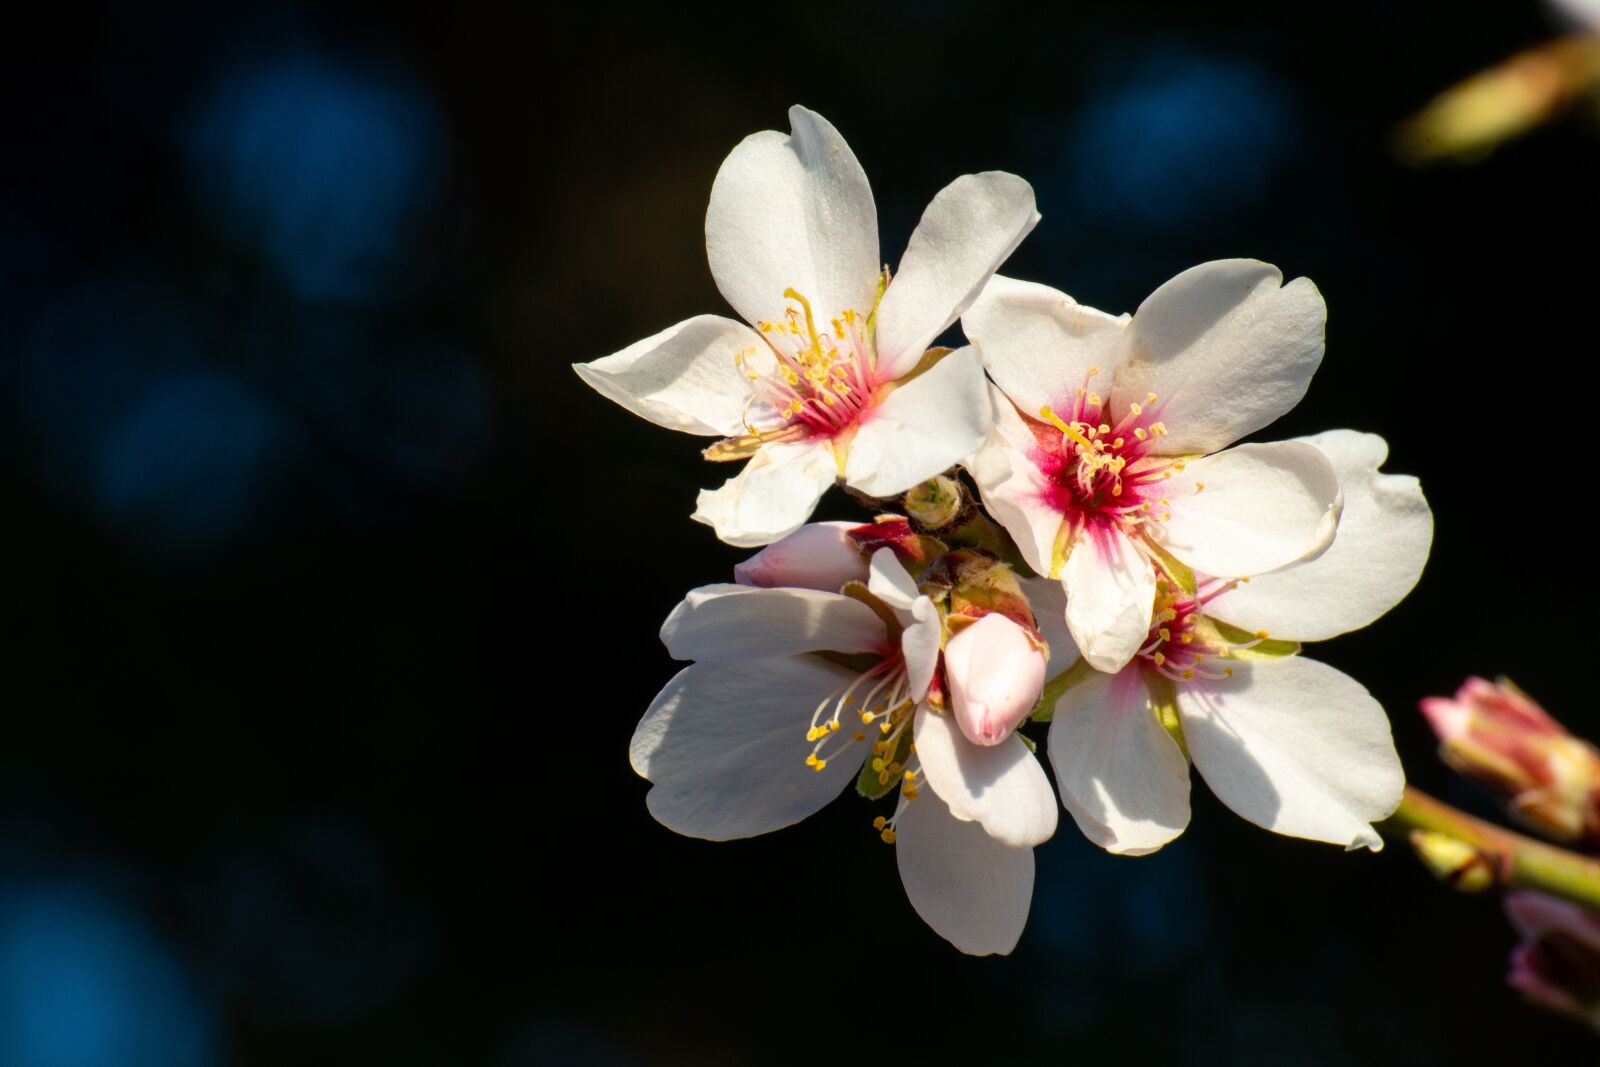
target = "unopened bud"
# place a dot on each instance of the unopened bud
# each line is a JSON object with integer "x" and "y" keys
{"x": 996, "y": 673}
{"x": 936, "y": 503}
{"x": 819, "y": 555}
{"x": 1492, "y": 733}
{"x": 1453, "y": 861}
{"x": 1557, "y": 965}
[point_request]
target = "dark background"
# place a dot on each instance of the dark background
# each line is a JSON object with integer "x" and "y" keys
{"x": 330, "y": 594}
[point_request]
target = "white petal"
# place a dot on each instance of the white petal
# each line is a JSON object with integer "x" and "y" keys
{"x": 1000, "y": 786}
{"x": 1049, "y": 603}
{"x": 1295, "y": 746}
{"x": 1111, "y": 592}
{"x": 920, "y": 644}
{"x": 717, "y": 623}
{"x": 1121, "y": 774}
{"x": 1378, "y": 554}
{"x": 683, "y": 378}
{"x": 922, "y": 428}
{"x": 968, "y": 230}
{"x": 793, "y": 212}
{"x": 1263, "y": 507}
{"x": 1225, "y": 349}
{"x": 972, "y": 890}
{"x": 1040, "y": 344}
{"x": 819, "y": 555}
{"x": 1019, "y": 496}
{"x": 725, "y": 745}
{"x": 771, "y": 497}
{"x": 890, "y": 583}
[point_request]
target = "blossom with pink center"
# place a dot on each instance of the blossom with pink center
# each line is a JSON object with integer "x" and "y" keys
{"x": 1290, "y": 744}
{"x": 795, "y": 692}
{"x": 1101, "y": 462}
{"x": 835, "y": 381}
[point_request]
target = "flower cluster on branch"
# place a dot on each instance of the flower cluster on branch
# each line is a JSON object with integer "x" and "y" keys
{"x": 1126, "y": 572}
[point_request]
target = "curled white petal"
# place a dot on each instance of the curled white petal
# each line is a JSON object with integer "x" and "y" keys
{"x": 1000, "y": 786}
{"x": 684, "y": 378}
{"x": 771, "y": 497}
{"x": 731, "y": 622}
{"x": 1385, "y": 531}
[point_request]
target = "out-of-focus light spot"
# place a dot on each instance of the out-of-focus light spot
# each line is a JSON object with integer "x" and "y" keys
{"x": 1178, "y": 137}
{"x": 184, "y": 466}
{"x": 85, "y": 983}
{"x": 93, "y": 353}
{"x": 326, "y": 170}
{"x": 313, "y": 927}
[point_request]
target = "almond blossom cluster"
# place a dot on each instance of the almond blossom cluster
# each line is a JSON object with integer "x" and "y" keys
{"x": 1065, "y": 531}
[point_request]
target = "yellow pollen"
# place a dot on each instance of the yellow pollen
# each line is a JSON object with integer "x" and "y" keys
{"x": 879, "y": 823}
{"x": 1261, "y": 635}
{"x": 1149, "y": 398}
{"x": 1228, "y": 671}
{"x": 1199, "y": 486}
{"x": 1138, "y": 431}
{"x": 885, "y": 727}
{"x": 911, "y": 776}
{"x": 1187, "y": 639}
{"x": 909, "y": 792}
{"x": 883, "y": 777}
{"x": 1166, "y": 634}
{"x": 866, "y": 717}
{"x": 817, "y": 766}
{"x": 888, "y": 837}
{"x": 1160, "y": 659}
{"x": 1135, "y": 410}
{"x": 811, "y": 760}
{"x": 1094, "y": 398}
{"x": 1188, "y": 675}
{"x": 877, "y": 764}
{"x": 1093, "y": 371}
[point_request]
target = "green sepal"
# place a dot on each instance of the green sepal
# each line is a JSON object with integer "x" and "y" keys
{"x": 1176, "y": 569}
{"x": 867, "y": 783}
{"x": 1056, "y": 687}
{"x": 1164, "y": 702}
{"x": 1233, "y": 636}
{"x": 1033, "y": 746}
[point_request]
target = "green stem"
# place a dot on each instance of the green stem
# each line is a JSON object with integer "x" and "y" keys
{"x": 1521, "y": 862}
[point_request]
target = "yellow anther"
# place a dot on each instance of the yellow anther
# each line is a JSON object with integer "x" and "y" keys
{"x": 1188, "y": 675}
{"x": 1199, "y": 486}
{"x": 858, "y": 736}
{"x": 866, "y": 717}
{"x": 1261, "y": 635}
{"x": 1093, "y": 371}
{"x": 1160, "y": 659}
{"x": 1149, "y": 398}
{"x": 883, "y": 778}
{"x": 1228, "y": 671}
{"x": 909, "y": 792}
{"x": 1166, "y": 634}
{"x": 879, "y": 823}
{"x": 1178, "y": 466}
{"x": 885, "y": 727}
{"x": 811, "y": 760}
{"x": 1117, "y": 444}
{"x": 817, "y": 766}
{"x": 911, "y": 776}
{"x": 1104, "y": 428}
{"x": 1135, "y": 410}
{"x": 888, "y": 837}
{"x": 877, "y": 764}
{"x": 1187, "y": 639}
{"x": 894, "y": 768}
{"x": 1094, "y": 398}
{"x": 1138, "y": 431}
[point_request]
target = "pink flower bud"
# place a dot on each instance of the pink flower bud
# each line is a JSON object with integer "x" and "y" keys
{"x": 996, "y": 674}
{"x": 1492, "y": 733}
{"x": 819, "y": 555}
{"x": 1557, "y": 965}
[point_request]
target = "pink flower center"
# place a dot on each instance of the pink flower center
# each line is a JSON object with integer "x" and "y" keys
{"x": 822, "y": 380}
{"x": 1101, "y": 466}
{"x": 1182, "y": 640}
